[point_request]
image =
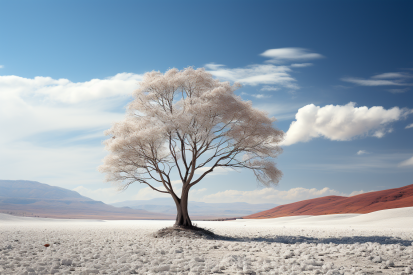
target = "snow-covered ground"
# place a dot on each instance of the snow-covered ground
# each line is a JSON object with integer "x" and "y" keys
{"x": 375, "y": 243}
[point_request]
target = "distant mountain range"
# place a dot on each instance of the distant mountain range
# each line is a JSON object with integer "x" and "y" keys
{"x": 363, "y": 203}
{"x": 31, "y": 198}
{"x": 223, "y": 210}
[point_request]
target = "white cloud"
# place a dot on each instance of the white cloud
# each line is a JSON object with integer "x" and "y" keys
{"x": 398, "y": 91}
{"x": 1, "y": 66}
{"x": 148, "y": 193}
{"x": 280, "y": 111}
{"x": 372, "y": 163}
{"x": 409, "y": 126}
{"x": 45, "y": 105}
{"x": 372, "y": 82}
{"x": 255, "y": 75}
{"x": 267, "y": 74}
{"x": 269, "y": 88}
{"x": 362, "y": 152}
{"x": 47, "y": 122}
{"x": 301, "y": 65}
{"x": 63, "y": 90}
{"x": 289, "y": 54}
{"x": 217, "y": 171}
{"x": 270, "y": 195}
{"x": 407, "y": 162}
{"x": 355, "y": 193}
{"x": 390, "y": 75}
{"x": 259, "y": 96}
{"x": 337, "y": 122}
{"x": 384, "y": 79}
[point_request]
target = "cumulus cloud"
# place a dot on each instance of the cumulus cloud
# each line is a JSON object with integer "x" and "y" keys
{"x": 384, "y": 79}
{"x": 66, "y": 91}
{"x": 409, "y": 126}
{"x": 362, "y": 152}
{"x": 44, "y": 104}
{"x": 51, "y": 128}
{"x": 270, "y": 195}
{"x": 406, "y": 163}
{"x": 255, "y": 75}
{"x": 341, "y": 122}
{"x": 289, "y": 54}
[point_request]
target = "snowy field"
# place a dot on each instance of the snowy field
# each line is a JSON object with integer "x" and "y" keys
{"x": 375, "y": 243}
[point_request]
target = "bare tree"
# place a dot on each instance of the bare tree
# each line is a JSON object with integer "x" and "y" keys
{"x": 188, "y": 123}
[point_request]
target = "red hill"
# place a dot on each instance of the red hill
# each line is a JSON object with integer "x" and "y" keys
{"x": 363, "y": 203}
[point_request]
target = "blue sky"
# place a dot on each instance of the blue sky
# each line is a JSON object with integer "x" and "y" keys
{"x": 342, "y": 71}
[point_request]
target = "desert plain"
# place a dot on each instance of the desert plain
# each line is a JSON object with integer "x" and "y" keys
{"x": 380, "y": 242}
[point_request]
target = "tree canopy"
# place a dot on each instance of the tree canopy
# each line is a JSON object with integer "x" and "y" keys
{"x": 183, "y": 122}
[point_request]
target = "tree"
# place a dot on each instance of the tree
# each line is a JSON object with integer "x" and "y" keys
{"x": 188, "y": 123}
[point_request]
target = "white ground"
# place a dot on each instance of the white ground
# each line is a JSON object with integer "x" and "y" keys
{"x": 375, "y": 243}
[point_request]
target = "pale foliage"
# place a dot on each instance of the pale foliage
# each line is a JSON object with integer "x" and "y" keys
{"x": 184, "y": 121}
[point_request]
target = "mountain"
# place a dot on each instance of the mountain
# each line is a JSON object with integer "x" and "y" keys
{"x": 363, "y": 203}
{"x": 218, "y": 210}
{"x": 31, "y": 198}
{"x": 36, "y": 190}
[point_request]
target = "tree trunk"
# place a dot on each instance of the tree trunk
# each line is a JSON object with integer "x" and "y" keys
{"x": 182, "y": 216}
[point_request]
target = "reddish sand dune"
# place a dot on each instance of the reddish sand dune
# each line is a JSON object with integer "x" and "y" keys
{"x": 363, "y": 203}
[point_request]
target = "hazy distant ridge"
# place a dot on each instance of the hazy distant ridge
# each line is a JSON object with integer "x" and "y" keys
{"x": 31, "y": 198}
{"x": 36, "y": 190}
{"x": 167, "y": 206}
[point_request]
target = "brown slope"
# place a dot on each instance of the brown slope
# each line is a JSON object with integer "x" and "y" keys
{"x": 363, "y": 203}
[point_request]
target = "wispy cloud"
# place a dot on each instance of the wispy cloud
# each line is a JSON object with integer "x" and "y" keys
{"x": 269, "y": 88}
{"x": 384, "y": 79}
{"x": 373, "y": 82}
{"x": 409, "y": 126}
{"x": 280, "y": 111}
{"x": 406, "y": 163}
{"x": 341, "y": 122}
{"x": 260, "y": 96}
{"x": 398, "y": 91}
{"x": 362, "y": 152}
{"x": 217, "y": 170}
{"x": 373, "y": 163}
{"x": 301, "y": 65}
{"x": 267, "y": 74}
{"x": 1, "y": 66}
{"x": 56, "y": 125}
{"x": 391, "y": 76}
{"x": 289, "y": 54}
{"x": 253, "y": 75}
{"x": 270, "y": 195}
